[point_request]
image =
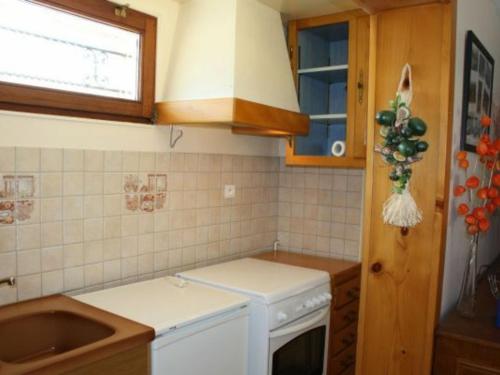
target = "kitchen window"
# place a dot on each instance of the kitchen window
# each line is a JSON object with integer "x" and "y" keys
{"x": 88, "y": 58}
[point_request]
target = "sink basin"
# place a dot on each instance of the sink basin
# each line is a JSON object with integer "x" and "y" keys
{"x": 45, "y": 334}
{"x": 57, "y": 334}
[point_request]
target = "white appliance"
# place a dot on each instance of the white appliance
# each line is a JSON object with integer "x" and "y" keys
{"x": 199, "y": 329}
{"x": 289, "y": 313}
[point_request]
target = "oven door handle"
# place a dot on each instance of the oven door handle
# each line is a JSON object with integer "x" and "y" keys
{"x": 299, "y": 327}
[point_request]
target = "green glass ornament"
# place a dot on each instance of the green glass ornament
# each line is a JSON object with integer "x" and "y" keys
{"x": 422, "y": 146}
{"x": 418, "y": 126}
{"x": 385, "y": 118}
{"x": 407, "y": 148}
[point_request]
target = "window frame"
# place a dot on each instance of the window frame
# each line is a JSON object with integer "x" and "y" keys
{"x": 24, "y": 98}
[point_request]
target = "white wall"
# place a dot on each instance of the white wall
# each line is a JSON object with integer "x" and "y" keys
{"x": 22, "y": 129}
{"x": 482, "y": 17}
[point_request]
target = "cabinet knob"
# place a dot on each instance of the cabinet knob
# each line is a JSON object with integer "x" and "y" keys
{"x": 376, "y": 267}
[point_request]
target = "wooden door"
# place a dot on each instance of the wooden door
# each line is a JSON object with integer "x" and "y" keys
{"x": 401, "y": 275}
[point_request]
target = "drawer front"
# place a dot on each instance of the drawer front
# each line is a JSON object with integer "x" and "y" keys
{"x": 346, "y": 292}
{"x": 344, "y": 338}
{"x": 344, "y": 316}
{"x": 344, "y": 363}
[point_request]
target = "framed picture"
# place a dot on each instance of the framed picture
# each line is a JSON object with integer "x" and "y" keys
{"x": 478, "y": 87}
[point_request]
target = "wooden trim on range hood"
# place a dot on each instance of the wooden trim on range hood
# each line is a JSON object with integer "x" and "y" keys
{"x": 375, "y": 6}
{"x": 258, "y": 119}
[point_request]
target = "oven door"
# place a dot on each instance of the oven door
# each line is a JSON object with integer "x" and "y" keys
{"x": 300, "y": 347}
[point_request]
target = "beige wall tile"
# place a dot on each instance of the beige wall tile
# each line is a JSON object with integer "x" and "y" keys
{"x": 112, "y": 161}
{"x": 72, "y": 231}
{"x": 129, "y": 267}
{"x": 52, "y": 234}
{"x": 7, "y": 159}
{"x": 112, "y": 227}
{"x": 28, "y": 236}
{"x": 93, "y": 206}
{"x": 28, "y": 262}
{"x": 130, "y": 161}
{"x": 93, "y": 229}
{"x": 52, "y": 258}
{"x": 130, "y": 225}
{"x": 93, "y": 183}
{"x": 129, "y": 246}
{"x": 162, "y": 161}
{"x": 160, "y": 261}
{"x": 29, "y": 286}
{"x": 111, "y": 270}
{"x": 51, "y": 160}
{"x": 93, "y": 274}
{"x": 52, "y": 282}
{"x": 73, "y": 160}
{"x": 147, "y": 162}
{"x": 111, "y": 248}
{"x": 112, "y": 204}
{"x": 145, "y": 263}
{"x": 27, "y": 159}
{"x": 51, "y": 184}
{"x": 93, "y": 252}
{"x": 93, "y": 161}
{"x": 50, "y": 209}
{"x": 8, "y": 264}
{"x": 73, "y": 255}
{"x": 8, "y": 295}
{"x": 73, "y": 184}
{"x": 113, "y": 183}
{"x": 7, "y": 238}
{"x": 73, "y": 278}
{"x": 72, "y": 208}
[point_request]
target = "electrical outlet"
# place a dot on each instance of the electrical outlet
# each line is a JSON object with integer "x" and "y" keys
{"x": 229, "y": 191}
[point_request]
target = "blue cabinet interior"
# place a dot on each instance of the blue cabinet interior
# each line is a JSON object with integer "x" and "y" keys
{"x": 323, "y": 67}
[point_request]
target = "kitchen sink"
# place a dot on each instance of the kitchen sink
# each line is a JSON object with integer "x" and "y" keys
{"x": 41, "y": 335}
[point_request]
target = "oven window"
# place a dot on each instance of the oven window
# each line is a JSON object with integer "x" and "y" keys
{"x": 304, "y": 355}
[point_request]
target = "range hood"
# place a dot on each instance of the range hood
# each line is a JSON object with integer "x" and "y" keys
{"x": 230, "y": 66}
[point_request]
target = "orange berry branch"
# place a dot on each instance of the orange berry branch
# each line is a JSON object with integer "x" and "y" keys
{"x": 481, "y": 188}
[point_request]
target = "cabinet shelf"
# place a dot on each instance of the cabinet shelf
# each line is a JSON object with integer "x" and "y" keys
{"x": 328, "y": 74}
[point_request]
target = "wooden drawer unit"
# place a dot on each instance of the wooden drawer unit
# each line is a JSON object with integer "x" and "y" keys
{"x": 345, "y": 284}
{"x": 342, "y": 339}
{"x": 343, "y": 362}
{"x": 344, "y": 316}
{"x": 347, "y": 292}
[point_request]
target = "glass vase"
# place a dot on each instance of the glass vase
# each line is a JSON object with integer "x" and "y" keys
{"x": 467, "y": 299}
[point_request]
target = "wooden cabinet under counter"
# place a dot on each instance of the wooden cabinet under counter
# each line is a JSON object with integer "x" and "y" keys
{"x": 345, "y": 284}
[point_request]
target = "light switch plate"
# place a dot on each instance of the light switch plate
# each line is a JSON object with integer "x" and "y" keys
{"x": 229, "y": 191}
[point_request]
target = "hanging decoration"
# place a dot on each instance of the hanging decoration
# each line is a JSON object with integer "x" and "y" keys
{"x": 401, "y": 148}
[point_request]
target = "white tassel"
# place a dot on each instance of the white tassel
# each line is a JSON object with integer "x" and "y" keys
{"x": 401, "y": 210}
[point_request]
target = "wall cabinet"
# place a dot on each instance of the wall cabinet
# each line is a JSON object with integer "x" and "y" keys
{"x": 329, "y": 58}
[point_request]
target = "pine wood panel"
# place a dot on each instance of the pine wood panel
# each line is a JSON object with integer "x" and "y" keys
{"x": 374, "y": 6}
{"x": 399, "y": 302}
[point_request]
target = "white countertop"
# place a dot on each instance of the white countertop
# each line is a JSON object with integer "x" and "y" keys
{"x": 162, "y": 305}
{"x": 268, "y": 281}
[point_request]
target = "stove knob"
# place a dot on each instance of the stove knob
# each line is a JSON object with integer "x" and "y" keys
{"x": 309, "y": 304}
{"x": 281, "y": 316}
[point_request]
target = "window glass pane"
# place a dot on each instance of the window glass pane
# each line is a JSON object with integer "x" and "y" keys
{"x": 49, "y": 48}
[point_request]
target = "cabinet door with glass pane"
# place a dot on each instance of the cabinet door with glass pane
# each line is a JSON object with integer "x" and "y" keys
{"x": 329, "y": 57}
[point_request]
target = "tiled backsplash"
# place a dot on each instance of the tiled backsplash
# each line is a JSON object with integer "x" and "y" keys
{"x": 75, "y": 220}
{"x": 320, "y": 211}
